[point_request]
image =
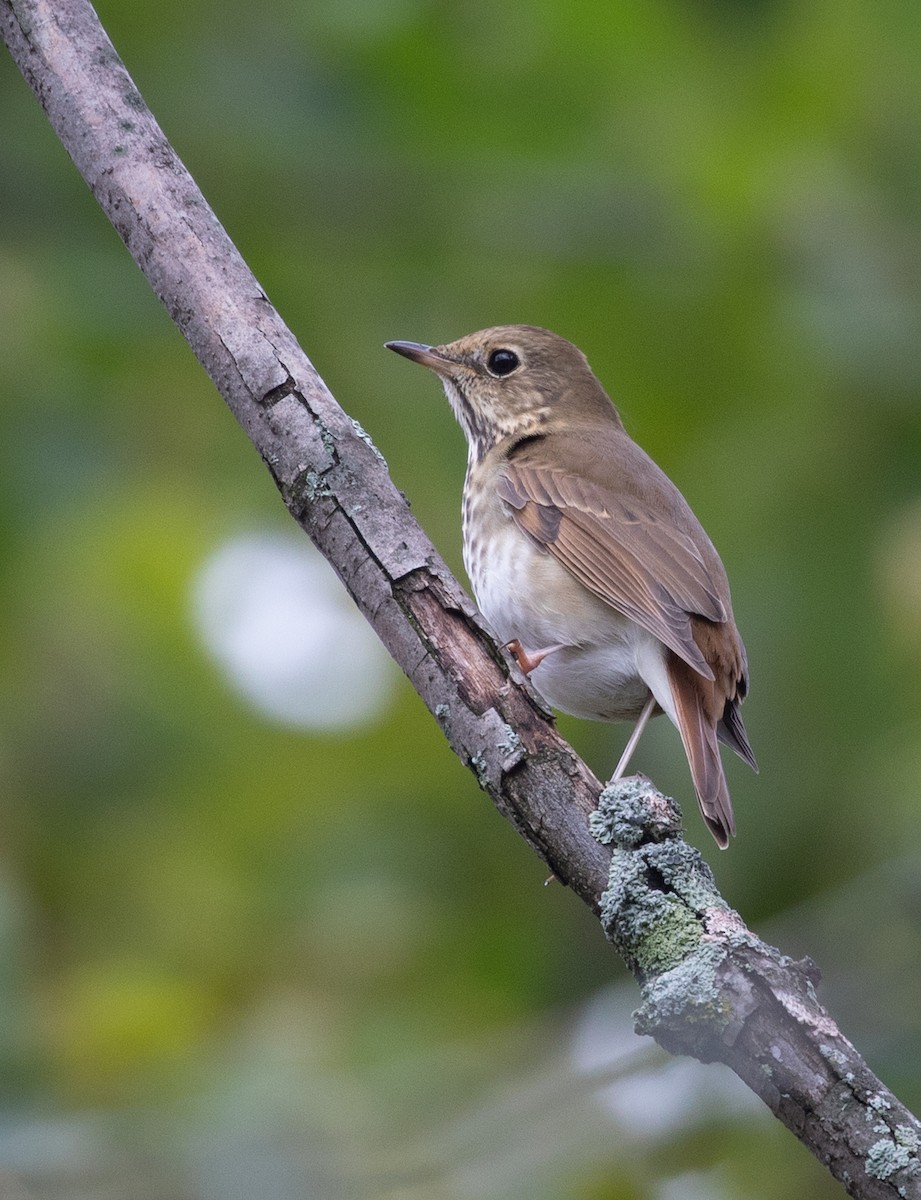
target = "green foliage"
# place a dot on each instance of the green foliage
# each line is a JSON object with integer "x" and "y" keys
{"x": 719, "y": 202}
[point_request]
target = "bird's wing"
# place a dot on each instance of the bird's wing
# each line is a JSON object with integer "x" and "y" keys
{"x": 651, "y": 561}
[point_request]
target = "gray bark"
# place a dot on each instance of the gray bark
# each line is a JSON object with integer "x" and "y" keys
{"x": 710, "y": 988}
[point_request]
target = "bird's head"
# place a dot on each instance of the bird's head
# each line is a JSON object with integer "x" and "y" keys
{"x": 513, "y": 381}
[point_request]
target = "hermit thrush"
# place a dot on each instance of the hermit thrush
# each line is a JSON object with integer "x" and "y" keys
{"x": 584, "y": 556}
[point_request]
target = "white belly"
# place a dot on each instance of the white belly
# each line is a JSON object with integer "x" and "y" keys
{"x": 607, "y": 664}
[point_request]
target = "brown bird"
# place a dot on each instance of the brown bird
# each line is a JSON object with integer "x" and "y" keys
{"x": 585, "y": 558}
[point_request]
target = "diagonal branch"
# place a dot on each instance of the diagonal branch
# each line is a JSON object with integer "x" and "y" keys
{"x": 710, "y": 987}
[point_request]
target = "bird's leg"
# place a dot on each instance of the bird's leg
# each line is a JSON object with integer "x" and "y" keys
{"x": 528, "y": 662}
{"x": 635, "y": 736}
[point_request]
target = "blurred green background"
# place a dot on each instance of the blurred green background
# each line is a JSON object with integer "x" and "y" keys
{"x": 253, "y": 944}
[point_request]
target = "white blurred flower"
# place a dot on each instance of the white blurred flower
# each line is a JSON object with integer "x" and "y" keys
{"x": 280, "y": 624}
{"x": 694, "y": 1185}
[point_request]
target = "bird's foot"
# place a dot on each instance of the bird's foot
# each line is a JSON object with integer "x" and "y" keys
{"x": 621, "y": 769}
{"x": 528, "y": 662}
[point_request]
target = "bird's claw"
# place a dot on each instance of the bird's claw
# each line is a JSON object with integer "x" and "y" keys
{"x": 528, "y": 662}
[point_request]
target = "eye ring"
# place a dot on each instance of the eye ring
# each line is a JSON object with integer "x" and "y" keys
{"x": 502, "y": 362}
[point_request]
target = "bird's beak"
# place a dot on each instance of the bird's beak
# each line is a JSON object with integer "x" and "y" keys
{"x": 428, "y": 356}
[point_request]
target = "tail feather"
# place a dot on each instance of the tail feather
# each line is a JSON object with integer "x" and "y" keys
{"x": 731, "y": 732}
{"x": 694, "y": 698}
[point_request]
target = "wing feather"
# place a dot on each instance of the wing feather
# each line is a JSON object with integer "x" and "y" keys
{"x": 644, "y": 554}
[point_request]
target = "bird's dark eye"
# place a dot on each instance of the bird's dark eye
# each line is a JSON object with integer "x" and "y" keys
{"x": 502, "y": 362}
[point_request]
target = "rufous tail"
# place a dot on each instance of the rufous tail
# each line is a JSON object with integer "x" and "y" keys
{"x": 699, "y": 707}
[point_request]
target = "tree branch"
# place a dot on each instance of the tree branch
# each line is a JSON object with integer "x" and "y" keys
{"x": 710, "y": 988}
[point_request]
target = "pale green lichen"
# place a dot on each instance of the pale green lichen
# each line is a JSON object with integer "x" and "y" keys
{"x": 689, "y": 992}
{"x": 478, "y": 762}
{"x": 366, "y": 438}
{"x": 833, "y": 1055}
{"x": 683, "y": 871}
{"x": 661, "y": 908}
{"x": 908, "y": 1137}
{"x": 631, "y": 812}
{"x": 886, "y": 1157}
{"x": 651, "y": 926}
{"x": 312, "y": 486}
{"x": 441, "y": 711}
{"x": 511, "y": 742}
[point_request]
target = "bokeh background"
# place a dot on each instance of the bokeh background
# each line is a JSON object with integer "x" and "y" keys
{"x": 260, "y": 934}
